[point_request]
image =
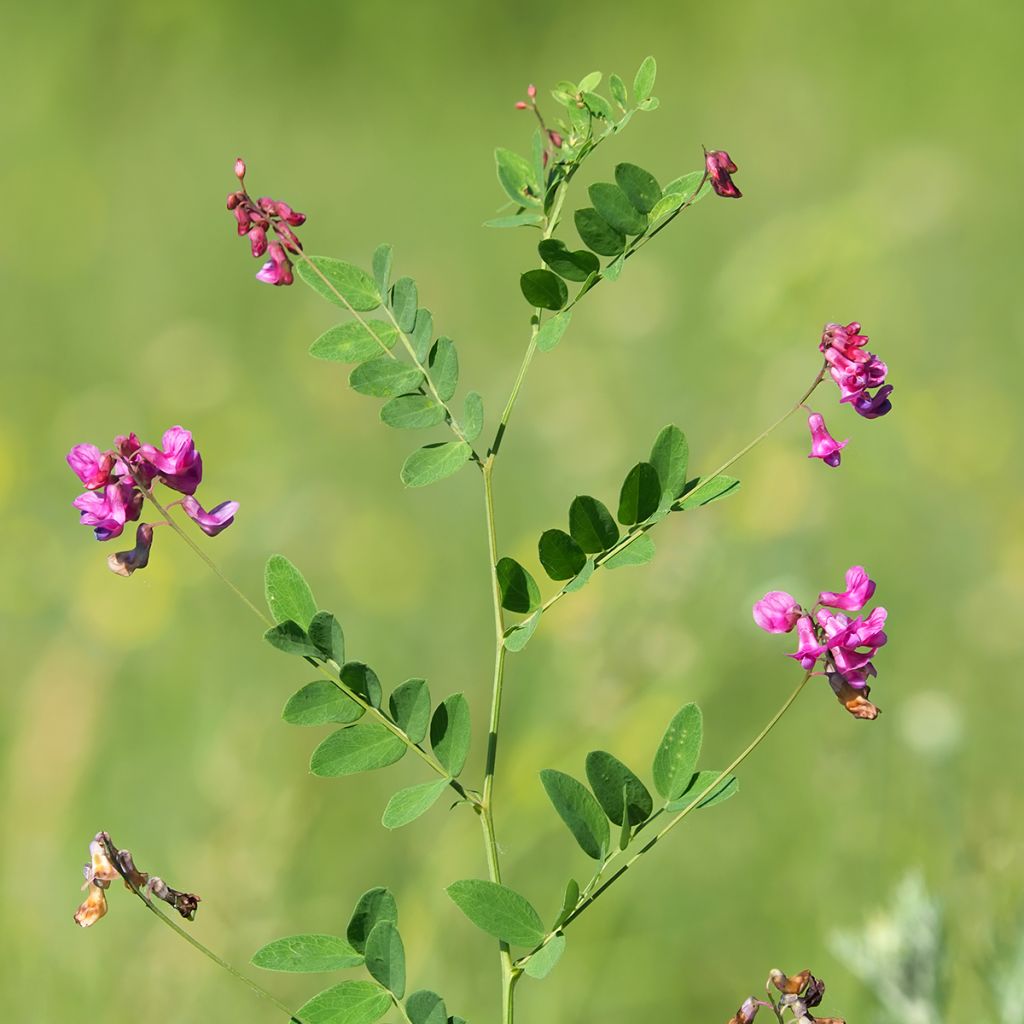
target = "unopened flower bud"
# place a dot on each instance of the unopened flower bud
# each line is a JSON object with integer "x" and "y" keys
{"x": 290, "y": 239}
{"x": 556, "y": 139}
{"x": 522, "y": 105}
{"x": 777, "y": 612}
{"x": 531, "y": 91}
{"x": 233, "y": 200}
{"x": 239, "y": 168}
{"x": 720, "y": 170}
{"x": 258, "y": 241}
{"x": 244, "y": 220}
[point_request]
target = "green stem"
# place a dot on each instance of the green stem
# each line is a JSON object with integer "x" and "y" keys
{"x": 643, "y": 528}
{"x": 209, "y": 954}
{"x": 692, "y": 805}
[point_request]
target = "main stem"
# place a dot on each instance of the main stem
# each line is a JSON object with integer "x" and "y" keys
{"x": 509, "y": 974}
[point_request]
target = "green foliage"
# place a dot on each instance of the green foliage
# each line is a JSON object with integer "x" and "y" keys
{"x": 560, "y": 555}
{"x": 353, "y": 285}
{"x": 677, "y": 754}
{"x": 543, "y": 289}
{"x": 519, "y": 590}
{"x": 404, "y": 303}
{"x": 409, "y": 704}
{"x": 598, "y": 234}
{"x": 361, "y": 679}
{"x": 472, "y": 416}
{"x": 517, "y": 177}
{"x": 575, "y": 265}
{"x": 450, "y": 733}
{"x": 354, "y": 342}
{"x": 700, "y": 781}
{"x": 615, "y": 209}
{"x": 518, "y": 636}
{"x": 409, "y": 803}
{"x": 517, "y": 220}
{"x": 569, "y": 901}
{"x": 444, "y": 368}
{"x": 384, "y": 377}
{"x": 375, "y": 905}
{"x": 385, "y": 957}
{"x": 640, "y": 187}
{"x": 422, "y": 333}
{"x": 321, "y": 703}
{"x": 498, "y": 910}
{"x": 670, "y": 457}
{"x": 702, "y": 492}
{"x": 307, "y": 954}
{"x": 382, "y": 268}
{"x": 326, "y": 633}
{"x": 640, "y": 495}
{"x": 434, "y": 462}
{"x": 357, "y": 748}
{"x": 579, "y": 810}
{"x": 551, "y": 331}
{"x": 425, "y": 1007}
{"x": 639, "y": 552}
{"x": 619, "y": 792}
{"x": 542, "y": 963}
{"x": 351, "y": 1002}
{"x": 291, "y": 638}
{"x": 592, "y": 525}
{"x": 412, "y": 412}
{"x": 643, "y": 83}
{"x": 287, "y": 592}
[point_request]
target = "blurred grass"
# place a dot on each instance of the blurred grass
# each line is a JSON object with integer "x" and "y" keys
{"x": 878, "y": 147}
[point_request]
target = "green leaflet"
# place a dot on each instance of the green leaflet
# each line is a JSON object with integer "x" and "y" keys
{"x": 592, "y": 525}
{"x": 354, "y": 342}
{"x": 640, "y": 187}
{"x": 498, "y": 910}
{"x": 678, "y": 751}
{"x": 357, "y": 748}
{"x": 450, "y": 733}
{"x": 321, "y": 703}
{"x": 618, "y": 789}
{"x": 580, "y": 811}
{"x": 409, "y": 803}
{"x": 409, "y": 705}
{"x": 287, "y": 592}
{"x": 614, "y": 207}
{"x": 306, "y": 954}
{"x": 351, "y": 1002}
{"x": 519, "y": 590}
{"x": 375, "y": 905}
{"x": 434, "y": 462}
{"x": 338, "y": 278}
{"x": 543, "y": 289}
{"x": 385, "y": 957}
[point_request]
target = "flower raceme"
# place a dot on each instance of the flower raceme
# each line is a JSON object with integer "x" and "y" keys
{"x": 846, "y": 646}
{"x": 256, "y": 217}
{"x": 856, "y": 371}
{"x": 118, "y": 481}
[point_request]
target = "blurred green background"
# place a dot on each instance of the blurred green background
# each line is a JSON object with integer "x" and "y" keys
{"x": 879, "y": 151}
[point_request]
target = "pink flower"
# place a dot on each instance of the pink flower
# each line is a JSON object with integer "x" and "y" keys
{"x": 856, "y": 370}
{"x": 285, "y": 212}
{"x": 239, "y": 168}
{"x": 258, "y": 241}
{"x": 124, "y": 563}
{"x": 873, "y": 406}
{"x": 720, "y": 170}
{"x": 220, "y": 517}
{"x": 108, "y": 509}
{"x": 808, "y": 649}
{"x": 90, "y": 465}
{"x": 859, "y": 590}
{"x": 178, "y": 464}
{"x": 278, "y": 269}
{"x": 847, "y": 341}
{"x": 777, "y": 612}
{"x": 823, "y": 445}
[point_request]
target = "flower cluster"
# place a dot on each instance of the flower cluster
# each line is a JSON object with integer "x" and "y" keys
{"x": 846, "y": 646}
{"x": 720, "y": 170}
{"x": 255, "y": 219}
{"x": 855, "y": 372}
{"x": 118, "y": 480}
{"x": 107, "y": 862}
{"x": 800, "y": 993}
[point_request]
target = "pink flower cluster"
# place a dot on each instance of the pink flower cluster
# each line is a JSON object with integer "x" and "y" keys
{"x": 847, "y": 646}
{"x": 720, "y": 170}
{"x": 855, "y": 372}
{"x": 255, "y": 218}
{"x": 118, "y": 480}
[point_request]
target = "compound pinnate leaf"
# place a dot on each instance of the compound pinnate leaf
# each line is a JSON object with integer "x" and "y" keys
{"x": 598, "y": 234}
{"x": 375, "y": 905}
{"x": 640, "y": 494}
{"x": 498, "y": 910}
{"x": 340, "y": 282}
{"x": 435, "y": 462}
{"x": 560, "y": 555}
{"x": 409, "y": 803}
{"x": 614, "y": 207}
{"x": 450, "y": 733}
{"x": 384, "y": 378}
{"x": 385, "y": 957}
{"x": 575, "y": 265}
{"x": 551, "y": 331}
{"x": 543, "y": 289}
{"x": 354, "y": 342}
{"x": 678, "y": 751}
{"x": 358, "y": 748}
{"x": 612, "y": 782}
{"x": 519, "y": 590}
{"x": 306, "y": 954}
{"x": 640, "y": 186}
{"x": 287, "y": 592}
{"x": 592, "y": 525}
{"x": 351, "y": 1002}
{"x": 409, "y": 704}
{"x": 580, "y": 811}
{"x": 321, "y": 702}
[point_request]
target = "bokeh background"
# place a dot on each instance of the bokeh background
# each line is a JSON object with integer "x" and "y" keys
{"x": 879, "y": 147}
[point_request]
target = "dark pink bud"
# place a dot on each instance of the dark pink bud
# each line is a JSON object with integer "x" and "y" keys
{"x": 777, "y": 612}
{"x": 220, "y": 517}
{"x": 556, "y": 139}
{"x": 258, "y": 241}
{"x": 522, "y": 105}
{"x": 290, "y": 239}
{"x": 266, "y": 204}
{"x": 233, "y": 200}
{"x": 823, "y": 445}
{"x": 293, "y": 217}
{"x": 720, "y": 170}
{"x": 239, "y": 168}
{"x": 124, "y": 563}
{"x": 531, "y": 91}
{"x": 244, "y": 220}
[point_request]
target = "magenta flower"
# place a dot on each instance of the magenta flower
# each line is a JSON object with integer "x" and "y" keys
{"x": 124, "y": 563}
{"x": 220, "y": 517}
{"x": 720, "y": 170}
{"x": 178, "y": 465}
{"x": 823, "y": 445}
{"x": 108, "y": 509}
{"x": 808, "y": 649}
{"x": 90, "y": 465}
{"x": 777, "y": 612}
{"x": 257, "y": 217}
{"x": 846, "y": 646}
{"x": 859, "y": 590}
{"x": 855, "y": 370}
